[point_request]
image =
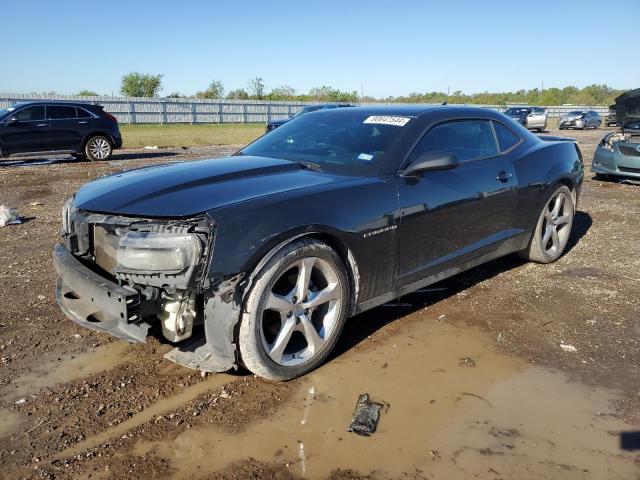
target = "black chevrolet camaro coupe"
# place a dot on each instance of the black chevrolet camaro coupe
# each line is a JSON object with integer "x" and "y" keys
{"x": 257, "y": 259}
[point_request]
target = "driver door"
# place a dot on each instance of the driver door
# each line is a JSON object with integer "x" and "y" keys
{"x": 448, "y": 217}
{"x": 25, "y": 131}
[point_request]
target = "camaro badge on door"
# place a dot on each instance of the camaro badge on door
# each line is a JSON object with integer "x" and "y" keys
{"x": 379, "y": 231}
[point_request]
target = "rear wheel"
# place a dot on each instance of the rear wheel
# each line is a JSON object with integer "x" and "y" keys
{"x": 295, "y": 311}
{"x": 553, "y": 229}
{"x": 98, "y": 148}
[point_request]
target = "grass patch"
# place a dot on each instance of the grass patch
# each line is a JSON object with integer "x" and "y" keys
{"x": 178, "y": 135}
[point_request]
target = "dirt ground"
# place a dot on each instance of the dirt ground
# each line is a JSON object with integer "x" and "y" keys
{"x": 472, "y": 369}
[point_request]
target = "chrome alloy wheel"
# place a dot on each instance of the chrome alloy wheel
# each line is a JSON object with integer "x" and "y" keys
{"x": 99, "y": 148}
{"x": 301, "y": 311}
{"x": 556, "y": 228}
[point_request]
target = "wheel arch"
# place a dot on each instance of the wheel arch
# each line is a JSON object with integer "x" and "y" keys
{"x": 331, "y": 239}
{"x": 95, "y": 133}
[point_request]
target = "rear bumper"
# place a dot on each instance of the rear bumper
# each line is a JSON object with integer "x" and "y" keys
{"x": 96, "y": 302}
{"x": 117, "y": 141}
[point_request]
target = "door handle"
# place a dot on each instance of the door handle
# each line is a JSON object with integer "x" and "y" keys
{"x": 504, "y": 176}
{"x": 83, "y": 121}
{"x": 41, "y": 125}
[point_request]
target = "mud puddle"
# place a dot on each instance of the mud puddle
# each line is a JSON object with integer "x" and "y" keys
{"x": 457, "y": 407}
{"x": 53, "y": 371}
{"x": 156, "y": 409}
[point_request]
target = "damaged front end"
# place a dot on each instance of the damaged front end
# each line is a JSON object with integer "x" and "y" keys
{"x": 126, "y": 276}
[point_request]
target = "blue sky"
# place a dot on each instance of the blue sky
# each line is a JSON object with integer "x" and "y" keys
{"x": 386, "y": 47}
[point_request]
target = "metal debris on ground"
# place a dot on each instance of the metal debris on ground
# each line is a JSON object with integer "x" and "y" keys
{"x": 365, "y": 416}
{"x": 467, "y": 362}
{"x": 8, "y": 216}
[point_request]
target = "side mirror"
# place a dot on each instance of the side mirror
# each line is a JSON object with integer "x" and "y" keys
{"x": 11, "y": 120}
{"x": 430, "y": 161}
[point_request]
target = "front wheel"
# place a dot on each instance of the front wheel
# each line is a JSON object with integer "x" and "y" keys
{"x": 295, "y": 311}
{"x": 98, "y": 148}
{"x": 553, "y": 229}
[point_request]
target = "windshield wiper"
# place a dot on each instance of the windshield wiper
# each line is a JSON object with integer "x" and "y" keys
{"x": 309, "y": 165}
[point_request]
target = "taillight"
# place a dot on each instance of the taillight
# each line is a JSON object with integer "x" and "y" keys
{"x": 109, "y": 116}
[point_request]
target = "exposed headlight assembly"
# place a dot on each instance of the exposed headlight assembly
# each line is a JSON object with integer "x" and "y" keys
{"x": 158, "y": 252}
{"x": 66, "y": 216}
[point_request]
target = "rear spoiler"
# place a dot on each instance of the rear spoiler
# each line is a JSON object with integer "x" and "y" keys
{"x": 551, "y": 138}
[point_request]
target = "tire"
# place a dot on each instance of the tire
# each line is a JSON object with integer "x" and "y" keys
{"x": 98, "y": 148}
{"x": 282, "y": 337}
{"x": 546, "y": 246}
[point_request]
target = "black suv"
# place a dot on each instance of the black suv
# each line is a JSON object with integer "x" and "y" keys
{"x": 82, "y": 129}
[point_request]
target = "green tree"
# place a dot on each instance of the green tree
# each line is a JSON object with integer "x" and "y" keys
{"x": 282, "y": 92}
{"x": 256, "y": 88}
{"x": 87, "y": 93}
{"x": 213, "y": 91}
{"x": 329, "y": 94}
{"x": 136, "y": 84}
{"x": 176, "y": 95}
{"x": 238, "y": 94}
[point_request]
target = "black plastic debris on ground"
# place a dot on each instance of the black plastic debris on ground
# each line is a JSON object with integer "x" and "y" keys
{"x": 365, "y": 416}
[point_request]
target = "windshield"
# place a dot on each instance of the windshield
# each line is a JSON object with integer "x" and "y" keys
{"x": 517, "y": 111}
{"x": 309, "y": 109}
{"x": 337, "y": 140}
{"x": 633, "y": 125}
{"x": 577, "y": 112}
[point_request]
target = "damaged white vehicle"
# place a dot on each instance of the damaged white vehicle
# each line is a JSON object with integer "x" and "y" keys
{"x": 618, "y": 153}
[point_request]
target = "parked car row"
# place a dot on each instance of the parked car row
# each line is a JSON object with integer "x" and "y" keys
{"x": 84, "y": 130}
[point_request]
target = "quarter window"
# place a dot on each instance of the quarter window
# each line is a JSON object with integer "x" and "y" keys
{"x": 466, "y": 139}
{"x": 30, "y": 114}
{"x": 506, "y": 138}
{"x": 82, "y": 113}
{"x": 59, "y": 112}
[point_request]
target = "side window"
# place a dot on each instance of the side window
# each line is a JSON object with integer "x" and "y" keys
{"x": 30, "y": 114}
{"x": 82, "y": 113}
{"x": 506, "y": 138}
{"x": 466, "y": 139}
{"x": 59, "y": 112}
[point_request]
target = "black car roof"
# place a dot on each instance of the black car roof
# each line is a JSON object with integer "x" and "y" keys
{"x": 407, "y": 110}
{"x": 55, "y": 102}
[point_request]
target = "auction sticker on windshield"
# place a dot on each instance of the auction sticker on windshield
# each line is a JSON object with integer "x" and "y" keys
{"x": 387, "y": 120}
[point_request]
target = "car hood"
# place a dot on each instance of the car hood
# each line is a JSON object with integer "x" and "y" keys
{"x": 628, "y": 107}
{"x": 188, "y": 188}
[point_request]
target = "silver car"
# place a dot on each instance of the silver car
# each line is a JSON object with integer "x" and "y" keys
{"x": 581, "y": 119}
{"x": 618, "y": 154}
{"x": 533, "y": 118}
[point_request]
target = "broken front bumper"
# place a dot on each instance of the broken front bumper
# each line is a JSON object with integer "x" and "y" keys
{"x": 610, "y": 162}
{"x": 96, "y": 302}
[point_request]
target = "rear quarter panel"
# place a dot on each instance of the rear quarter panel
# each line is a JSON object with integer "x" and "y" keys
{"x": 540, "y": 167}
